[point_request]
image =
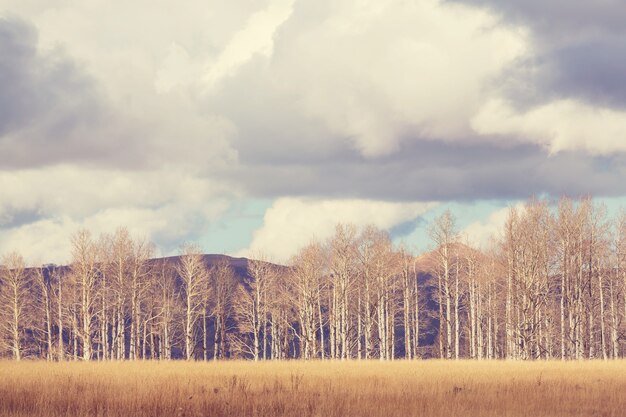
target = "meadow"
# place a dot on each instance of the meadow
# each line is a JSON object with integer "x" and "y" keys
{"x": 295, "y": 388}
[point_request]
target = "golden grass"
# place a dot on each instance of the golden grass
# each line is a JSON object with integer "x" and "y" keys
{"x": 420, "y": 388}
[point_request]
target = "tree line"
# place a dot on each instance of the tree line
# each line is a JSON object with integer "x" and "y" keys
{"x": 552, "y": 285}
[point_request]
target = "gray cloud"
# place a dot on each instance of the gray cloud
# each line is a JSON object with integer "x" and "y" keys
{"x": 593, "y": 70}
{"x": 284, "y": 150}
{"x": 73, "y": 153}
{"x": 54, "y": 112}
{"x": 22, "y": 217}
{"x": 430, "y": 170}
{"x": 579, "y": 50}
{"x": 16, "y": 47}
{"x": 269, "y": 127}
{"x": 315, "y": 100}
{"x": 50, "y": 111}
{"x": 560, "y": 19}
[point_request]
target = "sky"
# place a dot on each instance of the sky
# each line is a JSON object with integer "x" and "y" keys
{"x": 254, "y": 126}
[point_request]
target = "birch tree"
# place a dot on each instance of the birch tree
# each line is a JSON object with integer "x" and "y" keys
{"x": 444, "y": 235}
{"x": 193, "y": 275}
{"x": 527, "y": 244}
{"x": 139, "y": 273}
{"x": 368, "y": 304}
{"x": 58, "y": 279}
{"x": 385, "y": 272}
{"x": 119, "y": 265}
{"x": 14, "y": 300}
{"x": 223, "y": 286}
{"x": 342, "y": 265}
{"x": 251, "y": 306}
{"x": 308, "y": 267}
{"x": 43, "y": 280}
{"x": 84, "y": 274}
{"x": 410, "y": 304}
{"x": 169, "y": 307}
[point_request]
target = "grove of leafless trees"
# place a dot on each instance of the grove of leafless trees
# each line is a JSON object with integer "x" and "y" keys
{"x": 552, "y": 285}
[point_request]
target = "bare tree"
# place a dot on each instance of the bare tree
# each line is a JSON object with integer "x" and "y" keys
{"x": 528, "y": 243}
{"x": 44, "y": 285}
{"x": 410, "y": 303}
{"x": 444, "y": 235}
{"x": 619, "y": 250}
{"x": 280, "y": 314}
{"x": 251, "y": 306}
{"x": 307, "y": 274}
{"x": 223, "y": 285}
{"x": 343, "y": 272}
{"x": 84, "y": 274}
{"x": 385, "y": 272}
{"x": 119, "y": 257}
{"x": 14, "y": 299}
{"x": 553, "y": 285}
{"x": 57, "y": 283}
{"x": 139, "y": 273}
{"x": 193, "y": 274}
{"x": 167, "y": 310}
{"x": 368, "y": 302}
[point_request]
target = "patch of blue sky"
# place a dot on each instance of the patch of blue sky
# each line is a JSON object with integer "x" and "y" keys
{"x": 233, "y": 231}
{"x": 465, "y": 213}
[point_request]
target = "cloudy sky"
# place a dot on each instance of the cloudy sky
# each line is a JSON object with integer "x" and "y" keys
{"x": 256, "y": 125}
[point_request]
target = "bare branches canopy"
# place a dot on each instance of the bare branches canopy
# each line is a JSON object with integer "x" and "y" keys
{"x": 552, "y": 286}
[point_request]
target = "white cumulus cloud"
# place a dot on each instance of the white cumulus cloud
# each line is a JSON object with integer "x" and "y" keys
{"x": 485, "y": 233}
{"x": 40, "y": 209}
{"x": 373, "y": 72}
{"x": 255, "y": 38}
{"x": 291, "y": 223}
{"x": 559, "y": 125}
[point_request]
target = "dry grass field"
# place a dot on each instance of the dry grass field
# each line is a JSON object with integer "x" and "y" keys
{"x": 420, "y": 388}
